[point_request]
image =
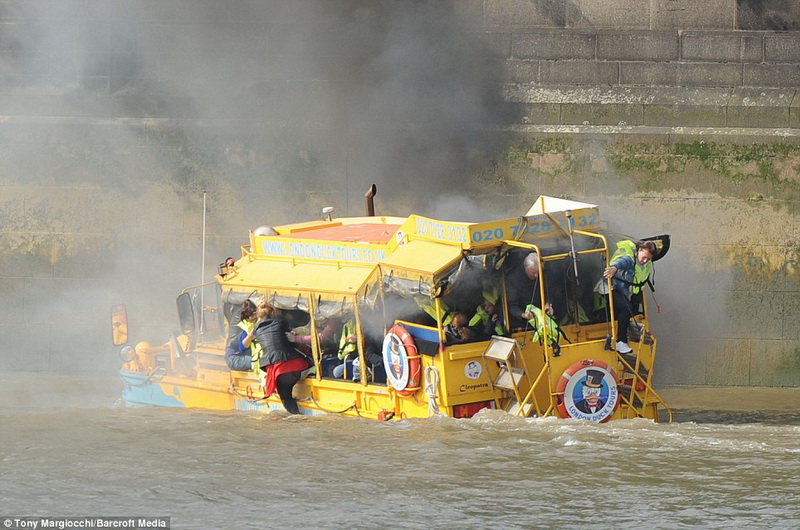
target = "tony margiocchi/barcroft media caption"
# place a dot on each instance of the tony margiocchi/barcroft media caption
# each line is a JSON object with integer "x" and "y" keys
{"x": 84, "y": 522}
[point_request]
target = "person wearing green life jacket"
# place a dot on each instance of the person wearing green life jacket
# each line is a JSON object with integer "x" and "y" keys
{"x": 242, "y": 351}
{"x": 487, "y": 321}
{"x": 347, "y": 347}
{"x": 348, "y": 352}
{"x": 629, "y": 270}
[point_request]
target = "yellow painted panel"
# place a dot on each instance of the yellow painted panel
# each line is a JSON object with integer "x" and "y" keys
{"x": 423, "y": 257}
{"x": 316, "y": 277}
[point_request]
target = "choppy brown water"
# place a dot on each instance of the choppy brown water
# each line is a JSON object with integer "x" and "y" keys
{"x": 238, "y": 470}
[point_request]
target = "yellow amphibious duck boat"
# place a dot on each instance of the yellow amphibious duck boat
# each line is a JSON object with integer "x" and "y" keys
{"x": 404, "y": 285}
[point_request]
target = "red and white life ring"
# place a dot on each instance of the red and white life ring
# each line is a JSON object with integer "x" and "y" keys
{"x": 587, "y": 390}
{"x": 401, "y": 360}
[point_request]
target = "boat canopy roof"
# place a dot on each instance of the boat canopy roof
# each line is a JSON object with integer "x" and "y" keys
{"x": 347, "y": 256}
{"x": 287, "y": 278}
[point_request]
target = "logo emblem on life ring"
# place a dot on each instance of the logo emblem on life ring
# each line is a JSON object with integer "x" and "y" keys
{"x": 395, "y": 359}
{"x": 590, "y": 391}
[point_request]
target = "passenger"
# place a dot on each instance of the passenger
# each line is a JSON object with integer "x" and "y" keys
{"x": 522, "y": 283}
{"x": 630, "y": 269}
{"x": 348, "y": 351}
{"x": 458, "y": 329}
{"x": 282, "y": 363}
{"x": 373, "y": 356}
{"x": 301, "y": 335}
{"x": 487, "y": 321}
{"x": 348, "y": 347}
{"x": 242, "y": 351}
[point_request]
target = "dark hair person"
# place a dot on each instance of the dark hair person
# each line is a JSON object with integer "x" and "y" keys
{"x": 282, "y": 363}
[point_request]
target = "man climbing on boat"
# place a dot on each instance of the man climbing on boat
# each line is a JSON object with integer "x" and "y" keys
{"x": 630, "y": 270}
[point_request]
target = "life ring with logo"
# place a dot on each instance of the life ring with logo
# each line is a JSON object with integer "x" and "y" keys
{"x": 401, "y": 360}
{"x": 587, "y": 390}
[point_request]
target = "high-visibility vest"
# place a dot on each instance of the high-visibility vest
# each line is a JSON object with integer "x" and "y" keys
{"x": 429, "y": 306}
{"x": 255, "y": 347}
{"x": 641, "y": 273}
{"x": 345, "y": 347}
{"x": 482, "y": 317}
{"x": 539, "y": 320}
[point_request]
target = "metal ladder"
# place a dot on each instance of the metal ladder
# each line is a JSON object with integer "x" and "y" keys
{"x": 511, "y": 371}
{"x": 639, "y": 393}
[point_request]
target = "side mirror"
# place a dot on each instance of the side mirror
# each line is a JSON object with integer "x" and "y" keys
{"x": 119, "y": 324}
{"x": 186, "y": 313}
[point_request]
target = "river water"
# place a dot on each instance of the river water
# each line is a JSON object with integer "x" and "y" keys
{"x": 74, "y": 452}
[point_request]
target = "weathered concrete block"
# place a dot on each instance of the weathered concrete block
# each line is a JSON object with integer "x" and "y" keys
{"x": 790, "y": 301}
{"x": 579, "y": 73}
{"x": 771, "y": 75}
{"x": 775, "y": 363}
{"x": 637, "y": 46}
{"x": 672, "y": 106}
{"x": 794, "y": 112}
{"x": 620, "y": 14}
{"x": 782, "y": 48}
{"x": 721, "y": 47}
{"x": 749, "y": 107}
{"x": 540, "y": 113}
{"x": 517, "y": 71}
{"x": 688, "y": 14}
{"x": 498, "y": 42}
{"x": 553, "y": 45}
{"x": 525, "y": 13}
{"x": 601, "y": 114}
{"x": 687, "y": 365}
{"x": 728, "y": 363}
{"x": 682, "y": 74}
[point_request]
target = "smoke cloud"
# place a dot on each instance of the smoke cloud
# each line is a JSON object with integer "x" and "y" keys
{"x": 118, "y": 116}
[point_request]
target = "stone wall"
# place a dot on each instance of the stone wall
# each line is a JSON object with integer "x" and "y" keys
{"x": 116, "y": 117}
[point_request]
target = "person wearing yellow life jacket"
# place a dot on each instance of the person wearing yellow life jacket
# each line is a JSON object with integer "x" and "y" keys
{"x": 487, "y": 320}
{"x": 348, "y": 352}
{"x": 629, "y": 270}
{"x": 347, "y": 347}
{"x": 242, "y": 351}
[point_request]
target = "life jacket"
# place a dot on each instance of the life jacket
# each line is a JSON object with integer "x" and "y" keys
{"x": 345, "y": 347}
{"x": 429, "y": 306}
{"x": 539, "y": 320}
{"x": 481, "y": 316}
{"x": 641, "y": 273}
{"x": 255, "y": 346}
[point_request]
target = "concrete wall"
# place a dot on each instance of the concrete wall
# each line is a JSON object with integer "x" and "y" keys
{"x": 675, "y": 117}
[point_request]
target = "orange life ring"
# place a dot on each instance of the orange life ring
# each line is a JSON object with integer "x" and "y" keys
{"x": 401, "y": 360}
{"x": 593, "y": 374}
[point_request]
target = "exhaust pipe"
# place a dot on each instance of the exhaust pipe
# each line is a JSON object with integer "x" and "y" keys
{"x": 370, "y": 195}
